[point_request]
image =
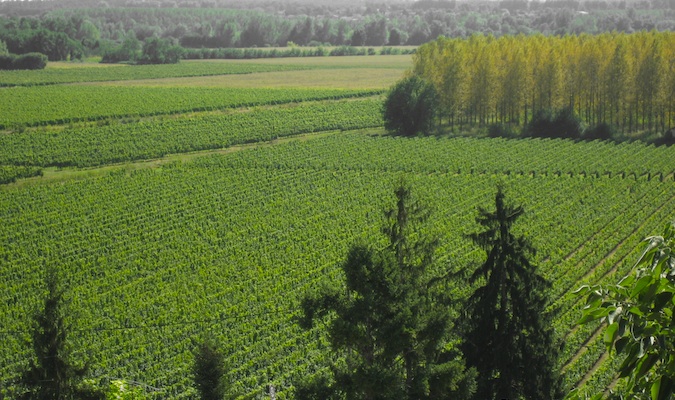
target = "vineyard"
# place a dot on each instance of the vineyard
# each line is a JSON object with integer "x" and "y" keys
{"x": 227, "y": 244}
{"x": 158, "y": 255}
{"x": 119, "y": 142}
{"x": 65, "y": 104}
{"x": 65, "y": 73}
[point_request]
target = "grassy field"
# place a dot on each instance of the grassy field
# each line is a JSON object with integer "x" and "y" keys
{"x": 223, "y": 238}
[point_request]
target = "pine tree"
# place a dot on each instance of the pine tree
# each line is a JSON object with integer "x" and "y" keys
{"x": 509, "y": 337}
{"x": 389, "y": 324}
{"x": 51, "y": 375}
{"x": 209, "y": 371}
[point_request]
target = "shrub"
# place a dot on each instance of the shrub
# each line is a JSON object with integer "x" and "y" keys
{"x": 7, "y": 61}
{"x": 30, "y": 61}
{"x": 501, "y": 130}
{"x": 601, "y": 131}
{"x": 23, "y": 61}
{"x": 563, "y": 123}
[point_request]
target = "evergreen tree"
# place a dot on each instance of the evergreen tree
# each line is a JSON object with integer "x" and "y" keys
{"x": 389, "y": 321}
{"x": 51, "y": 375}
{"x": 209, "y": 371}
{"x": 509, "y": 336}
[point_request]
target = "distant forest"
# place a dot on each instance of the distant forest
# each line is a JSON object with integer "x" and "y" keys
{"x": 65, "y": 30}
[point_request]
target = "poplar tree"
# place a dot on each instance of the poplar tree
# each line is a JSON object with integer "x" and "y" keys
{"x": 508, "y": 336}
{"x": 388, "y": 325}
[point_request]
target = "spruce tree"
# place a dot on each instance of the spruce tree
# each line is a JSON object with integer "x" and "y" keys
{"x": 51, "y": 374}
{"x": 209, "y": 371}
{"x": 509, "y": 337}
{"x": 389, "y": 324}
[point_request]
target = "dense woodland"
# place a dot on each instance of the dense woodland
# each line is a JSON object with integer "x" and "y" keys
{"x": 63, "y": 30}
{"x": 624, "y": 82}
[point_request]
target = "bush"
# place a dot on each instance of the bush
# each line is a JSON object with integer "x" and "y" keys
{"x": 160, "y": 51}
{"x": 501, "y": 130}
{"x": 667, "y": 139}
{"x": 30, "y": 61}
{"x": 23, "y": 61}
{"x": 601, "y": 131}
{"x": 561, "y": 124}
{"x": 7, "y": 61}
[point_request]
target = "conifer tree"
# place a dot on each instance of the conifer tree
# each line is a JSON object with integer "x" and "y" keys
{"x": 388, "y": 323}
{"x": 509, "y": 337}
{"x": 51, "y": 374}
{"x": 209, "y": 371}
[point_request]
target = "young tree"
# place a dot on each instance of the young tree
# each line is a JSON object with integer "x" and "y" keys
{"x": 389, "y": 322}
{"x": 639, "y": 314}
{"x": 509, "y": 338}
{"x": 410, "y": 107}
{"x": 209, "y": 371}
{"x": 51, "y": 375}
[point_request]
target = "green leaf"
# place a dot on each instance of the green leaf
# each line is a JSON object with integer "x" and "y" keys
{"x": 636, "y": 311}
{"x": 620, "y": 344}
{"x": 656, "y": 388}
{"x": 610, "y": 334}
{"x": 640, "y": 285}
{"x": 646, "y": 364}
{"x": 592, "y": 315}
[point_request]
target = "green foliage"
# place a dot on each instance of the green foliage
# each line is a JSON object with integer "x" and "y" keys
{"x": 119, "y": 389}
{"x": 389, "y": 324}
{"x": 410, "y": 107}
{"x": 51, "y": 374}
{"x": 127, "y": 51}
{"x": 10, "y": 173}
{"x": 509, "y": 337}
{"x": 601, "y": 131}
{"x": 160, "y": 51}
{"x": 232, "y": 242}
{"x": 74, "y": 103}
{"x": 639, "y": 314}
{"x": 621, "y": 79}
{"x": 563, "y": 123}
{"x": 3, "y": 48}
{"x": 83, "y": 73}
{"x": 28, "y": 61}
{"x": 209, "y": 371}
{"x": 117, "y": 142}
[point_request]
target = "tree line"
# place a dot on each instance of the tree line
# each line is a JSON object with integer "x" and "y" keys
{"x": 73, "y": 30}
{"x": 625, "y": 81}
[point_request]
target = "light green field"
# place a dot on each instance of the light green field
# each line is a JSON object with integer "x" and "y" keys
{"x": 158, "y": 253}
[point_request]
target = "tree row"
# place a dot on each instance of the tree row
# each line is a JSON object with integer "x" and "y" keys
{"x": 624, "y": 80}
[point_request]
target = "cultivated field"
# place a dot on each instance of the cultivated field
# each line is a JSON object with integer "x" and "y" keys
{"x": 159, "y": 248}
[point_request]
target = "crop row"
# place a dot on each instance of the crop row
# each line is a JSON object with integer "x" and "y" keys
{"x": 118, "y": 142}
{"x": 64, "y": 104}
{"x": 98, "y": 73}
{"x": 553, "y": 157}
{"x": 235, "y": 240}
{"x": 10, "y": 173}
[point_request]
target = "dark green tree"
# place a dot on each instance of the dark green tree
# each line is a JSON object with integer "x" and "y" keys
{"x": 391, "y": 321}
{"x": 410, "y": 107}
{"x": 509, "y": 337}
{"x": 51, "y": 374}
{"x": 160, "y": 51}
{"x": 209, "y": 371}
